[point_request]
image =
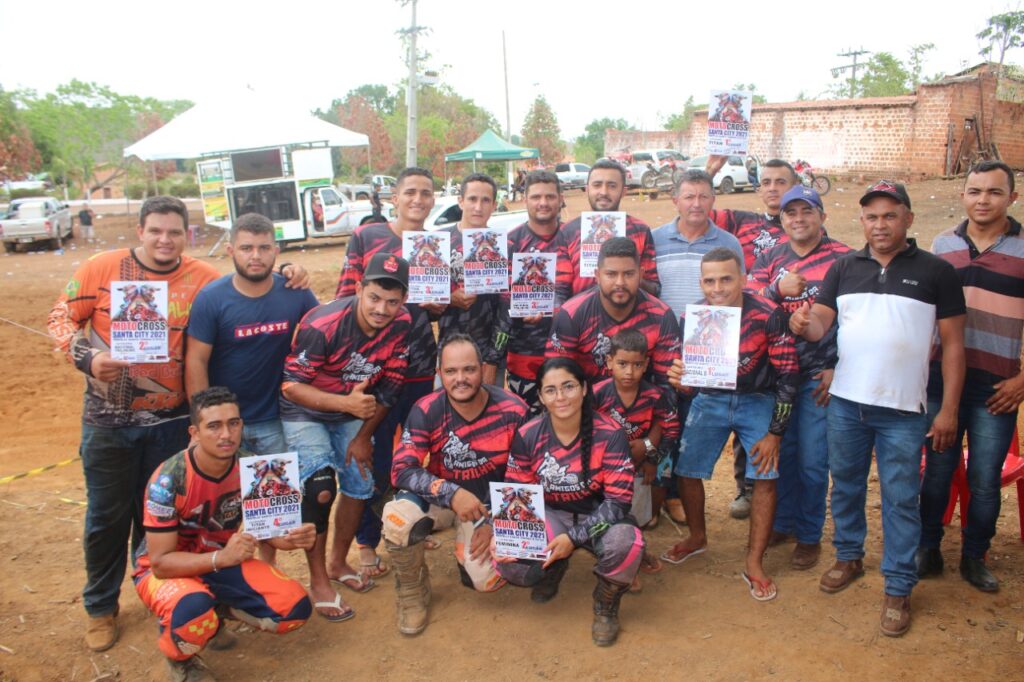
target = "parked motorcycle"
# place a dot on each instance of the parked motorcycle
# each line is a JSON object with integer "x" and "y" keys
{"x": 809, "y": 178}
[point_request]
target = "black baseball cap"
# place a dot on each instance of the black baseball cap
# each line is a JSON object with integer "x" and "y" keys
{"x": 887, "y": 188}
{"x": 387, "y": 266}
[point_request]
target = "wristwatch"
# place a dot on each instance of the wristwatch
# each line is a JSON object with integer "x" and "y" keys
{"x": 652, "y": 452}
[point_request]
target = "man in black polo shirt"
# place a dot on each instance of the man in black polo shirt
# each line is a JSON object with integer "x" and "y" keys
{"x": 887, "y": 298}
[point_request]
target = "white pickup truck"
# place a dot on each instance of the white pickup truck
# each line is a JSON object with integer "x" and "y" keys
{"x": 35, "y": 219}
{"x": 447, "y": 212}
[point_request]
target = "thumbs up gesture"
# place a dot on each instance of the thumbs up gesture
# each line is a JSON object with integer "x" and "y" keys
{"x": 359, "y": 403}
{"x": 800, "y": 319}
{"x": 792, "y": 284}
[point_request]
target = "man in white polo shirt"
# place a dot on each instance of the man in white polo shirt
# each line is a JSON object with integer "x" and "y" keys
{"x": 888, "y": 299}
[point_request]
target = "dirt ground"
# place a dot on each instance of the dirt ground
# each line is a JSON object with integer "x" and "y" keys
{"x": 695, "y": 620}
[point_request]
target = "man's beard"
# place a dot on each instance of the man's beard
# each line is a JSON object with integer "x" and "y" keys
{"x": 256, "y": 279}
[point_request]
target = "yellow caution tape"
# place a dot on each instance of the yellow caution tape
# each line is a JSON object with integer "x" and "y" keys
{"x": 37, "y": 471}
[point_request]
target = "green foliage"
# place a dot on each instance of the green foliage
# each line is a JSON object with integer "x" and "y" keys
{"x": 83, "y": 125}
{"x": 681, "y": 121}
{"x": 28, "y": 193}
{"x": 916, "y": 63}
{"x": 540, "y": 130}
{"x": 589, "y": 147}
{"x": 1003, "y": 33}
{"x": 181, "y": 185}
{"x": 884, "y": 76}
{"x": 17, "y": 151}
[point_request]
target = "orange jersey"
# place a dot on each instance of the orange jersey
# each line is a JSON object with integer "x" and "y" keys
{"x": 145, "y": 394}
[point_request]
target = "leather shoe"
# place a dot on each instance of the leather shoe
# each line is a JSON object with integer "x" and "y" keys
{"x": 805, "y": 556}
{"x": 839, "y": 577}
{"x": 976, "y": 573}
{"x": 101, "y": 632}
{"x": 895, "y": 616}
{"x": 928, "y": 561}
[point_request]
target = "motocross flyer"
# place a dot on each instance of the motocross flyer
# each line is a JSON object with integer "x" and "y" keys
{"x": 533, "y": 284}
{"x": 517, "y": 511}
{"x": 430, "y": 274}
{"x": 485, "y": 260}
{"x": 729, "y": 122}
{"x": 597, "y": 227}
{"x": 711, "y": 346}
{"x": 138, "y": 321}
{"x": 271, "y": 499}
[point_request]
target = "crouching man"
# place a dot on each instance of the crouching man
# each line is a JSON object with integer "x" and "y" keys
{"x": 194, "y": 566}
{"x": 466, "y": 430}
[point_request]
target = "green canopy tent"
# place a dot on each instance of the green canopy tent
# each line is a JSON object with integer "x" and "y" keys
{"x": 490, "y": 147}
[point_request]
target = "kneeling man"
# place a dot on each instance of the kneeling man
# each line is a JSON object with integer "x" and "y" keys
{"x": 194, "y": 566}
{"x": 466, "y": 430}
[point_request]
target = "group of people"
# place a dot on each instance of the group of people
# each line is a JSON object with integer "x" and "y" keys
{"x": 842, "y": 353}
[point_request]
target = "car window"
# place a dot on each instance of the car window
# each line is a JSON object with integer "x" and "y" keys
{"x": 700, "y": 161}
{"x": 735, "y": 160}
{"x": 562, "y": 168}
{"x": 330, "y": 198}
{"x": 641, "y": 157}
{"x": 450, "y": 215}
{"x": 581, "y": 167}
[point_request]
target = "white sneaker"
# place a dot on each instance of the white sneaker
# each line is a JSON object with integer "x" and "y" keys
{"x": 740, "y": 507}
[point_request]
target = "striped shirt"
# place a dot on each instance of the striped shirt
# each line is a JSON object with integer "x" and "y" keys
{"x": 679, "y": 262}
{"x": 993, "y": 282}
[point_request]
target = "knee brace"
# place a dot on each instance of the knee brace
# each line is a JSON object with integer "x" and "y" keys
{"x": 405, "y": 523}
{"x": 314, "y": 510}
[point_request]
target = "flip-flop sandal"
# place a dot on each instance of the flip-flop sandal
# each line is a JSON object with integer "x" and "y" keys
{"x": 363, "y": 585}
{"x": 667, "y": 510}
{"x": 347, "y": 612}
{"x": 681, "y": 558}
{"x": 379, "y": 566}
{"x": 652, "y": 524}
{"x": 650, "y": 564}
{"x": 761, "y": 585}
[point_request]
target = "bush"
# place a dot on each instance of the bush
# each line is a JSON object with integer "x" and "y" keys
{"x": 25, "y": 193}
{"x": 136, "y": 190}
{"x": 183, "y": 187}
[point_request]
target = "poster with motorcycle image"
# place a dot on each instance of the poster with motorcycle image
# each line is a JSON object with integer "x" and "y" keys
{"x": 138, "y": 321}
{"x": 518, "y": 521}
{"x": 430, "y": 267}
{"x": 485, "y": 265}
{"x": 271, "y": 499}
{"x": 729, "y": 122}
{"x": 533, "y": 284}
{"x": 597, "y": 227}
{"x": 711, "y": 346}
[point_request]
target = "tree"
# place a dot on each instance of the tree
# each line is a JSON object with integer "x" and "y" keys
{"x": 589, "y": 147}
{"x": 1003, "y": 33}
{"x": 358, "y": 114}
{"x": 18, "y": 155}
{"x": 540, "y": 130}
{"x": 751, "y": 88}
{"x": 884, "y": 76}
{"x": 84, "y": 125}
{"x": 681, "y": 122}
{"x": 917, "y": 53}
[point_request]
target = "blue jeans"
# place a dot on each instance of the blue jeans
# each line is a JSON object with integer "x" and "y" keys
{"x": 803, "y": 469}
{"x": 370, "y": 525}
{"x": 264, "y": 438}
{"x": 713, "y": 416}
{"x": 897, "y": 437}
{"x": 117, "y": 463}
{"x": 988, "y": 439}
{"x": 325, "y": 444}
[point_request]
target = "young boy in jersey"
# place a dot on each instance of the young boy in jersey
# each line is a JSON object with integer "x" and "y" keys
{"x": 645, "y": 412}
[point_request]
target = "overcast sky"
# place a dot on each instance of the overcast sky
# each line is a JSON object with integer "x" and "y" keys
{"x": 638, "y": 62}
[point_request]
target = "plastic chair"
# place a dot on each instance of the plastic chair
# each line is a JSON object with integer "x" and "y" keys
{"x": 959, "y": 491}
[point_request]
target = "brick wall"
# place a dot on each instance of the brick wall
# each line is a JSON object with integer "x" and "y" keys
{"x": 897, "y": 136}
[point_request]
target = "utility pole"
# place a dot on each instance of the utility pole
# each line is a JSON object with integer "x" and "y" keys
{"x": 410, "y": 97}
{"x": 852, "y": 68}
{"x": 508, "y": 115}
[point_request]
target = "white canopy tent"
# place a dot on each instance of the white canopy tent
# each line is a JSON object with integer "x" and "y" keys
{"x": 243, "y": 121}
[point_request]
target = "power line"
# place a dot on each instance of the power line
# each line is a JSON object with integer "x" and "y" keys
{"x": 852, "y": 68}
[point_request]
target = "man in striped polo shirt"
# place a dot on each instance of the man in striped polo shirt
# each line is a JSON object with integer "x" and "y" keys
{"x": 888, "y": 299}
{"x": 987, "y": 251}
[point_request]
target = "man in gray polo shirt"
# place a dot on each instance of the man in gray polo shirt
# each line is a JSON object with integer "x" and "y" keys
{"x": 678, "y": 248}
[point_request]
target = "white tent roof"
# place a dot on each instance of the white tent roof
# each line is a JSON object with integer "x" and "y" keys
{"x": 247, "y": 121}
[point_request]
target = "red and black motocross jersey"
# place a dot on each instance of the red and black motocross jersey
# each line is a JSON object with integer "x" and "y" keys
{"x": 636, "y": 230}
{"x": 776, "y": 263}
{"x": 652, "y": 405}
{"x": 582, "y": 330}
{"x": 524, "y": 343}
{"x": 539, "y": 457}
{"x": 756, "y": 232}
{"x": 768, "y": 361}
{"x": 441, "y": 452}
{"x": 362, "y": 245}
{"x": 205, "y": 512}
{"x": 479, "y": 320}
{"x": 331, "y": 352}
